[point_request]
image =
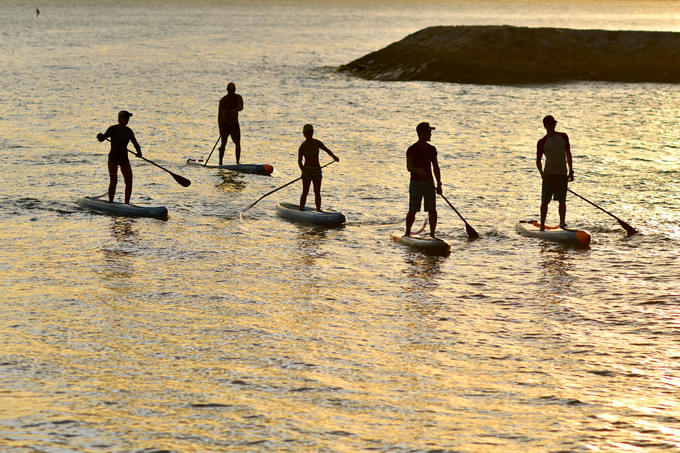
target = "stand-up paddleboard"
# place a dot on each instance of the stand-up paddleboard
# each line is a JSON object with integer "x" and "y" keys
{"x": 121, "y": 209}
{"x": 532, "y": 228}
{"x": 427, "y": 244}
{"x": 311, "y": 216}
{"x": 256, "y": 169}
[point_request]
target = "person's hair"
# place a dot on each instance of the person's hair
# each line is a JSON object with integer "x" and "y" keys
{"x": 231, "y": 87}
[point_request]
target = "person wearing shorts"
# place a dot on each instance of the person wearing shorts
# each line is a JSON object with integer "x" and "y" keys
{"x": 310, "y": 167}
{"x": 421, "y": 162}
{"x": 227, "y": 120}
{"x": 120, "y": 135}
{"x": 557, "y": 171}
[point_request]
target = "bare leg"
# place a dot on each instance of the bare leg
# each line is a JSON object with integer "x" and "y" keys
{"x": 410, "y": 218}
{"x": 562, "y": 209}
{"x": 317, "y": 193}
{"x": 544, "y": 213}
{"x": 113, "y": 180}
{"x": 433, "y": 222}
{"x": 126, "y": 169}
{"x": 223, "y": 143}
{"x": 237, "y": 150}
{"x": 305, "y": 191}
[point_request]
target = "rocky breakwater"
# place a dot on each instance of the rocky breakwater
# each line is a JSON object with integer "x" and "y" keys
{"x": 500, "y": 54}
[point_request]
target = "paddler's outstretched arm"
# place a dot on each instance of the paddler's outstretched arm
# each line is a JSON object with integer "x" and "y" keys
{"x": 135, "y": 144}
{"x": 330, "y": 153}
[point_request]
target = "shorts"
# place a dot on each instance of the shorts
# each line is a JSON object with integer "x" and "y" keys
{"x": 119, "y": 158}
{"x": 313, "y": 173}
{"x": 555, "y": 187}
{"x": 232, "y": 129}
{"x": 421, "y": 190}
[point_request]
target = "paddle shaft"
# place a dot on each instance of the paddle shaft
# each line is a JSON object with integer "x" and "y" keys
{"x": 181, "y": 180}
{"x": 468, "y": 228}
{"x": 211, "y": 151}
{"x": 625, "y": 226}
{"x": 279, "y": 188}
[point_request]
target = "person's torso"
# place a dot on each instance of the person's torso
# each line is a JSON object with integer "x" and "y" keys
{"x": 310, "y": 152}
{"x": 229, "y": 103}
{"x": 555, "y": 152}
{"x": 120, "y": 137}
{"x": 422, "y": 157}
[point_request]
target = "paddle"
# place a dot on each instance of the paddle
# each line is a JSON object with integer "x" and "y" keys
{"x": 629, "y": 229}
{"x": 206, "y": 161}
{"x": 180, "y": 179}
{"x": 472, "y": 234}
{"x": 279, "y": 188}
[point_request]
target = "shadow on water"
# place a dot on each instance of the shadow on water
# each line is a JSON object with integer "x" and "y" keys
{"x": 231, "y": 182}
{"x": 118, "y": 260}
{"x": 422, "y": 272}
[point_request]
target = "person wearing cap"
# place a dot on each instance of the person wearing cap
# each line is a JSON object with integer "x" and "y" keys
{"x": 227, "y": 120}
{"x": 120, "y": 134}
{"x": 557, "y": 172}
{"x": 421, "y": 162}
{"x": 308, "y": 161}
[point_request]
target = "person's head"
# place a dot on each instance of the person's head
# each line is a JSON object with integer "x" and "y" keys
{"x": 124, "y": 117}
{"x": 308, "y": 130}
{"x": 231, "y": 88}
{"x": 549, "y": 122}
{"x": 424, "y": 130}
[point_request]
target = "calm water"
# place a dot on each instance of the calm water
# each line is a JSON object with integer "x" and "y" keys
{"x": 212, "y": 332}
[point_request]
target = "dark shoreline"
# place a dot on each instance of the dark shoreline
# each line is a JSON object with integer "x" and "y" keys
{"x": 507, "y": 55}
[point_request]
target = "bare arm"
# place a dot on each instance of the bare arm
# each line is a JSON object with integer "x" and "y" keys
{"x": 539, "y": 157}
{"x": 300, "y": 157}
{"x": 330, "y": 153}
{"x": 135, "y": 144}
{"x": 239, "y": 105}
{"x": 568, "y": 152}
{"x": 437, "y": 174}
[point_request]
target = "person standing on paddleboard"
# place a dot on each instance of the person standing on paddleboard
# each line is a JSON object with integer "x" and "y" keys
{"x": 557, "y": 171}
{"x": 227, "y": 120}
{"x": 421, "y": 162}
{"x": 308, "y": 161}
{"x": 120, "y": 134}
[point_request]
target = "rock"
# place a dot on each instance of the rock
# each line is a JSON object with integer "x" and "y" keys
{"x": 501, "y": 54}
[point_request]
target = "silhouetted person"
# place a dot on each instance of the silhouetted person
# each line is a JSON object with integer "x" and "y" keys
{"x": 120, "y": 134}
{"x": 421, "y": 162}
{"x": 227, "y": 120}
{"x": 558, "y": 170}
{"x": 308, "y": 161}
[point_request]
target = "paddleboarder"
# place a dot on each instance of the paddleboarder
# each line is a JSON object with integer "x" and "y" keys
{"x": 308, "y": 161}
{"x": 227, "y": 120}
{"x": 120, "y": 134}
{"x": 557, "y": 171}
{"x": 421, "y": 162}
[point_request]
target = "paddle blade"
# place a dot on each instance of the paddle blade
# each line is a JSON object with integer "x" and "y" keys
{"x": 181, "y": 180}
{"x": 472, "y": 234}
{"x": 629, "y": 229}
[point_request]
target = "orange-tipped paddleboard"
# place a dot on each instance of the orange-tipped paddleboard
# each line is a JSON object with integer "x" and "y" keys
{"x": 531, "y": 228}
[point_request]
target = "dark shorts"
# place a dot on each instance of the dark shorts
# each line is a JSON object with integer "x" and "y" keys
{"x": 421, "y": 190}
{"x": 233, "y": 130}
{"x": 555, "y": 187}
{"x": 119, "y": 158}
{"x": 311, "y": 173}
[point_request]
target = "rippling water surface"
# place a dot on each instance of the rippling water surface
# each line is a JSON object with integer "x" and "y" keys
{"x": 216, "y": 332}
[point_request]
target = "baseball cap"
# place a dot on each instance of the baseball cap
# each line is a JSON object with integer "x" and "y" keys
{"x": 549, "y": 119}
{"x": 424, "y": 126}
{"x": 124, "y": 113}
